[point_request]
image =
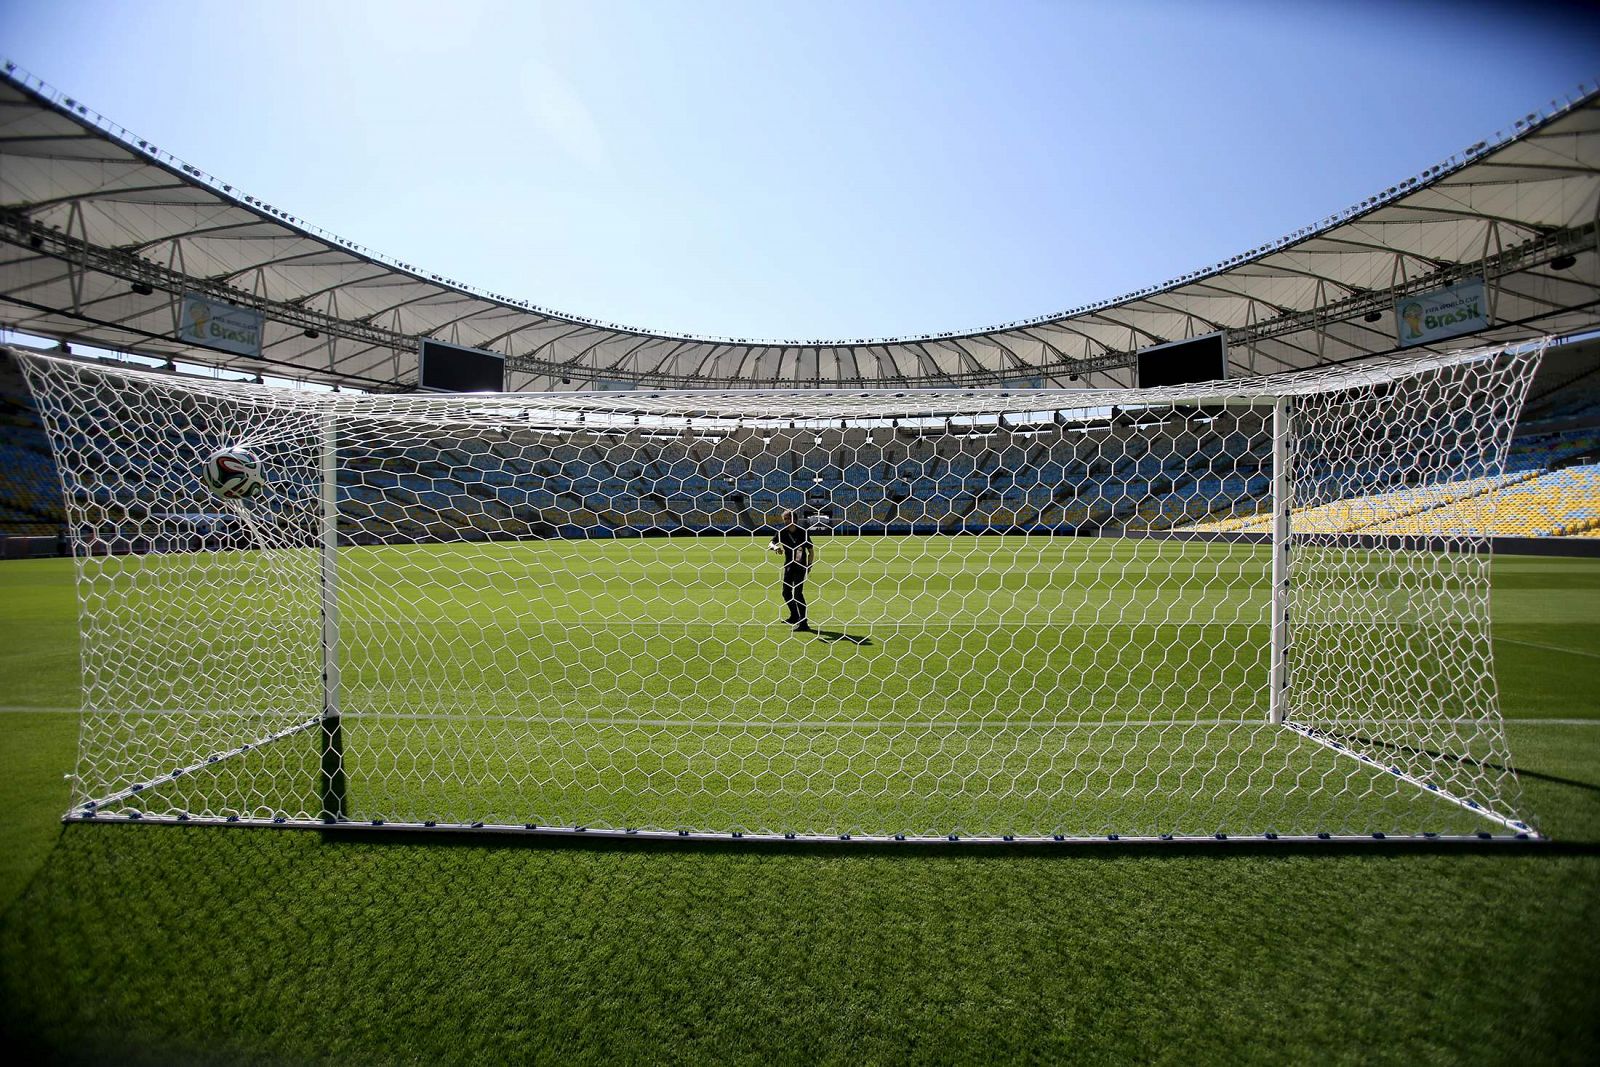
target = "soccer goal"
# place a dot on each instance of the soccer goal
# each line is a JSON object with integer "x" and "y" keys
{"x": 1028, "y": 614}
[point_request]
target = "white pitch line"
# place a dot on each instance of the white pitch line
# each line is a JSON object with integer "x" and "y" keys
{"x": 815, "y": 724}
{"x": 1549, "y": 648}
{"x": 26, "y": 709}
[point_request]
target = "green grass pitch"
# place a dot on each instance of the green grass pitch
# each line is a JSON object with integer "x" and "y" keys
{"x": 146, "y": 944}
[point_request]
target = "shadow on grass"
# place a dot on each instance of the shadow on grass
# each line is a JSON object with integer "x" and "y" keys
{"x": 1466, "y": 761}
{"x": 833, "y": 636}
{"x": 151, "y": 944}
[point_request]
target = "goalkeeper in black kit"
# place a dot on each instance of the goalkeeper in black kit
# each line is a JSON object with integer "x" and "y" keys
{"x": 793, "y": 540}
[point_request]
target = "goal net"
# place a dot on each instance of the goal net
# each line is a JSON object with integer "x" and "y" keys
{"x": 1028, "y": 614}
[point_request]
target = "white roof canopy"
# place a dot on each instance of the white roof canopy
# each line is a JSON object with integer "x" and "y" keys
{"x": 101, "y": 232}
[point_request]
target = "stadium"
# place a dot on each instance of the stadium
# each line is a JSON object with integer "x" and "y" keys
{"x": 1146, "y": 657}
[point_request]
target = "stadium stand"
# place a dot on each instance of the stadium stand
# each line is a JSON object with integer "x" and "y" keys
{"x": 1574, "y": 394}
{"x": 1554, "y": 504}
{"x": 1099, "y": 478}
{"x": 30, "y": 494}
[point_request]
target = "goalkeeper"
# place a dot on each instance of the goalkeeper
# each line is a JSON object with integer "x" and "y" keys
{"x": 794, "y": 541}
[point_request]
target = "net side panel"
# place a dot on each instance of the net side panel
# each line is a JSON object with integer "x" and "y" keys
{"x": 198, "y": 619}
{"x": 1390, "y": 653}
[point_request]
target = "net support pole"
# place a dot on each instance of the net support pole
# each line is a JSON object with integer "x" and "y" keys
{"x": 332, "y": 736}
{"x": 1277, "y": 698}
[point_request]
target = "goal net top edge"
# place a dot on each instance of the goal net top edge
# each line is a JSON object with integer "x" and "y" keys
{"x": 709, "y": 407}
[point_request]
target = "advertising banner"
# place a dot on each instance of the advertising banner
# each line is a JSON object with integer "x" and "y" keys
{"x": 218, "y": 324}
{"x": 1434, "y": 316}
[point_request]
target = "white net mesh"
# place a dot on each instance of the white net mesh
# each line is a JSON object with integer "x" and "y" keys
{"x": 1030, "y": 614}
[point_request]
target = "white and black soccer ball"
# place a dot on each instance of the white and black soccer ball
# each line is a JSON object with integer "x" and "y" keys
{"x": 234, "y": 474}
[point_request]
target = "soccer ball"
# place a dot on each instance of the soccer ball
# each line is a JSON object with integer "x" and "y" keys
{"x": 234, "y": 474}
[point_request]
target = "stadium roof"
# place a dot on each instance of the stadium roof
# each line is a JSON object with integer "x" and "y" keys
{"x": 101, "y": 232}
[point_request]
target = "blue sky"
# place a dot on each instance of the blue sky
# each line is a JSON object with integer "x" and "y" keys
{"x": 808, "y": 170}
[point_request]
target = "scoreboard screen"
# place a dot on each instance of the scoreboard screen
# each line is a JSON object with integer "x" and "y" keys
{"x": 1200, "y": 359}
{"x": 446, "y": 368}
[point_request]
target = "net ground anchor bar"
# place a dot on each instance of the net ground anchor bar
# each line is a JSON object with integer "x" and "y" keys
{"x": 89, "y": 807}
{"x": 1517, "y": 826}
{"x": 422, "y": 829}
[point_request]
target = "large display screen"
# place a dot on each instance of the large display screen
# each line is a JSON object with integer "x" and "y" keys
{"x": 1200, "y": 359}
{"x": 446, "y": 368}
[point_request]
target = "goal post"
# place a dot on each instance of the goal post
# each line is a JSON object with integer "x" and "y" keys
{"x": 332, "y": 752}
{"x": 1033, "y": 615}
{"x": 1278, "y": 681}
